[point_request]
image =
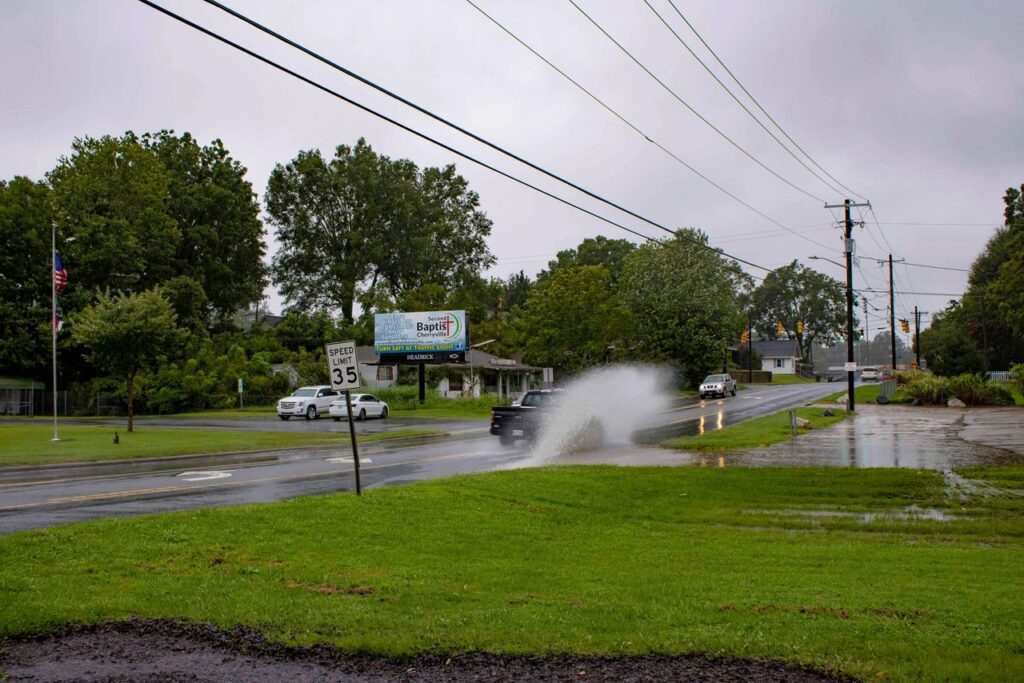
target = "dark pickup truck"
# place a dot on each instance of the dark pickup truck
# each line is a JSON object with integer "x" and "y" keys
{"x": 524, "y": 420}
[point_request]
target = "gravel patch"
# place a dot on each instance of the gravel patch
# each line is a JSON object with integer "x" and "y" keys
{"x": 170, "y": 650}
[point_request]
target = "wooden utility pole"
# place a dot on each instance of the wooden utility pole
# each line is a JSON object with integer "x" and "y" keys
{"x": 851, "y": 364}
{"x": 892, "y": 316}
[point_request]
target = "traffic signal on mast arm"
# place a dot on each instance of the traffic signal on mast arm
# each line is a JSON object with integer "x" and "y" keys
{"x": 905, "y": 325}
{"x": 799, "y": 327}
{"x": 780, "y": 329}
{"x": 745, "y": 338}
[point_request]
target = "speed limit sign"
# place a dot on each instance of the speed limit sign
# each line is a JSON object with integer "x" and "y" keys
{"x": 341, "y": 365}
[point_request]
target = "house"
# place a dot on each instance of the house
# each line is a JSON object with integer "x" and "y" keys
{"x": 485, "y": 373}
{"x": 781, "y": 356}
{"x": 373, "y": 374}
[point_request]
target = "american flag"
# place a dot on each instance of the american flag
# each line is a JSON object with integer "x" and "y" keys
{"x": 60, "y": 275}
{"x": 58, "y": 323}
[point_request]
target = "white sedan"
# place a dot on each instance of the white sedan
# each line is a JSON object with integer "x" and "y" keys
{"x": 363, "y": 406}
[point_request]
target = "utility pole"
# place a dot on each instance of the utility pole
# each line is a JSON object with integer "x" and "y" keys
{"x": 851, "y": 364}
{"x": 750, "y": 350}
{"x": 917, "y": 335}
{"x": 892, "y": 316}
{"x": 865, "y": 354}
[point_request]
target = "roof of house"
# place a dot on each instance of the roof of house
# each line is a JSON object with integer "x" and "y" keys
{"x": 779, "y": 348}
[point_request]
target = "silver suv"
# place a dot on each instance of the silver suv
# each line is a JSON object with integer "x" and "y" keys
{"x": 717, "y": 385}
{"x": 307, "y": 402}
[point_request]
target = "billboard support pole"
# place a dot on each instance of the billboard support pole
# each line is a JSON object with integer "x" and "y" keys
{"x": 423, "y": 382}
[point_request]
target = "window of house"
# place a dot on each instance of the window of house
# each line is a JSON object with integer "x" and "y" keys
{"x": 780, "y": 362}
{"x": 455, "y": 383}
{"x": 385, "y": 373}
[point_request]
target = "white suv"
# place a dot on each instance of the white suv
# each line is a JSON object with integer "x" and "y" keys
{"x": 717, "y": 385}
{"x": 307, "y": 402}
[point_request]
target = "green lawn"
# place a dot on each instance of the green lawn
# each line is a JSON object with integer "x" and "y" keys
{"x": 761, "y": 431}
{"x": 866, "y": 393}
{"x": 792, "y": 564}
{"x": 31, "y": 444}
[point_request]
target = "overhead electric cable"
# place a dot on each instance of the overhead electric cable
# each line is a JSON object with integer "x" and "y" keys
{"x": 763, "y": 110}
{"x": 686, "y": 104}
{"x": 424, "y": 136}
{"x": 737, "y": 100}
{"x": 637, "y": 129}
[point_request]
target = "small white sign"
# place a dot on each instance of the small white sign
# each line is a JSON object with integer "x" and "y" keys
{"x": 341, "y": 365}
{"x": 239, "y": 385}
{"x": 851, "y": 366}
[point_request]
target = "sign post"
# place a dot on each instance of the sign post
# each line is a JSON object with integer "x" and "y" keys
{"x": 344, "y": 374}
{"x": 241, "y": 402}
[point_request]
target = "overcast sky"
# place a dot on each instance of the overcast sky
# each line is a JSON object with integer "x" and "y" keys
{"x": 915, "y": 105}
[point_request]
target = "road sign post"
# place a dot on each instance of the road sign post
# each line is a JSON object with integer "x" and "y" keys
{"x": 344, "y": 373}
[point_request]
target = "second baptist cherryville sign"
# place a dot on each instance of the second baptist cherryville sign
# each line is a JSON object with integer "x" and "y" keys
{"x": 432, "y": 336}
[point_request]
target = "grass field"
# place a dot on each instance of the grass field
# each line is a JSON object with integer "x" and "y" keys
{"x": 761, "y": 431}
{"x": 866, "y": 393}
{"x": 817, "y": 566}
{"x": 31, "y": 444}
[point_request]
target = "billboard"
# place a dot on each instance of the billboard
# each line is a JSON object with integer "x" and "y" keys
{"x": 426, "y": 332}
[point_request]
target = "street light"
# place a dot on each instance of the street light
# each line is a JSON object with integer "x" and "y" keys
{"x": 822, "y": 258}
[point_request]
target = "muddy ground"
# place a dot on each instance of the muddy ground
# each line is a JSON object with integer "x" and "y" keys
{"x": 165, "y": 650}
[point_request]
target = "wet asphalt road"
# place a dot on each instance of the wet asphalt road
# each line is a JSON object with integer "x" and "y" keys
{"x": 38, "y": 497}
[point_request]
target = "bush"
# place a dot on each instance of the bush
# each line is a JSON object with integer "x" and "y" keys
{"x": 407, "y": 398}
{"x": 929, "y": 389}
{"x": 907, "y": 376}
{"x": 970, "y": 389}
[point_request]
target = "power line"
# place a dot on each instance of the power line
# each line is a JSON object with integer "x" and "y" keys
{"x": 737, "y": 100}
{"x": 886, "y": 291}
{"x": 754, "y": 100}
{"x": 635, "y": 128}
{"x": 323, "y": 88}
{"x": 686, "y": 104}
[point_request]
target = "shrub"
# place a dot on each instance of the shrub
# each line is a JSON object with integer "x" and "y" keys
{"x": 907, "y": 376}
{"x": 1001, "y": 396}
{"x": 929, "y": 389}
{"x": 970, "y": 389}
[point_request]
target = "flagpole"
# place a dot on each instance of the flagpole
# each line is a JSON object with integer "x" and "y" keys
{"x": 53, "y": 320}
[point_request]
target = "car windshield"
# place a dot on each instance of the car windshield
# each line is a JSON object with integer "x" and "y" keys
{"x": 534, "y": 400}
{"x": 712, "y": 379}
{"x": 305, "y": 391}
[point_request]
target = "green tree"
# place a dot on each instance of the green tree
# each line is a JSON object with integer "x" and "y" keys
{"x": 684, "y": 300}
{"x": 795, "y": 293}
{"x": 366, "y": 225}
{"x": 215, "y": 209}
{"x": 573, "y": 320}
{"x": 126, "y": 334}
{"x": 110, "y": 201}
{"x": 25, "y": 267}
{"x": 947, "y": 347}
{"x": 594, "y": 251}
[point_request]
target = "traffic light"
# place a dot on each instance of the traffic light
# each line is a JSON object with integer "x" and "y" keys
{"x": 780, "y": 329}
{"x": 905, "y": 325}
{"x": 745, "y": 338}
{"x": 799, "y": 327}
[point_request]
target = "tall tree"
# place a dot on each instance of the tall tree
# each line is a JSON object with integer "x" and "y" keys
{"x": 365, "y": 224}
{"x": 594, "y": 251}
{"x": 215, "y": 209}
{"x": 573, "y": 319}
{"x": 796, "y": 294}
{"x": 25, "y": 267}
{"x": 684, "y": 300}
{"x": 126, "y": 334}
{"x": 110, "y": 203}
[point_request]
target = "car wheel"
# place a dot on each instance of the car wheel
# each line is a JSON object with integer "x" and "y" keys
{"x": 734, "y": 391}
{"x": 362, "y": 414}
{"x": 311, "y": 413}
{"x": 384, "y": 412}
{"x": 337, "y": 419}
{"x": 284, "y": 417}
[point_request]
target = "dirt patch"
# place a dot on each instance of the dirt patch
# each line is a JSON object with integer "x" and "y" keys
{"x": 166, "y": 650}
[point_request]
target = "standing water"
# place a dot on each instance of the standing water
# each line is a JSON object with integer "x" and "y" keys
{"x": 603, "y": 407}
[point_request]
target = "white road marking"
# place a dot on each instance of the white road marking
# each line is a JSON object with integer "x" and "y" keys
{"x": 203, "y": 476}
{"x": 347, "y": 459}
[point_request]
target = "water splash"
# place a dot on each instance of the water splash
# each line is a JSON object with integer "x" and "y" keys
{"x": 603, "y": 407}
